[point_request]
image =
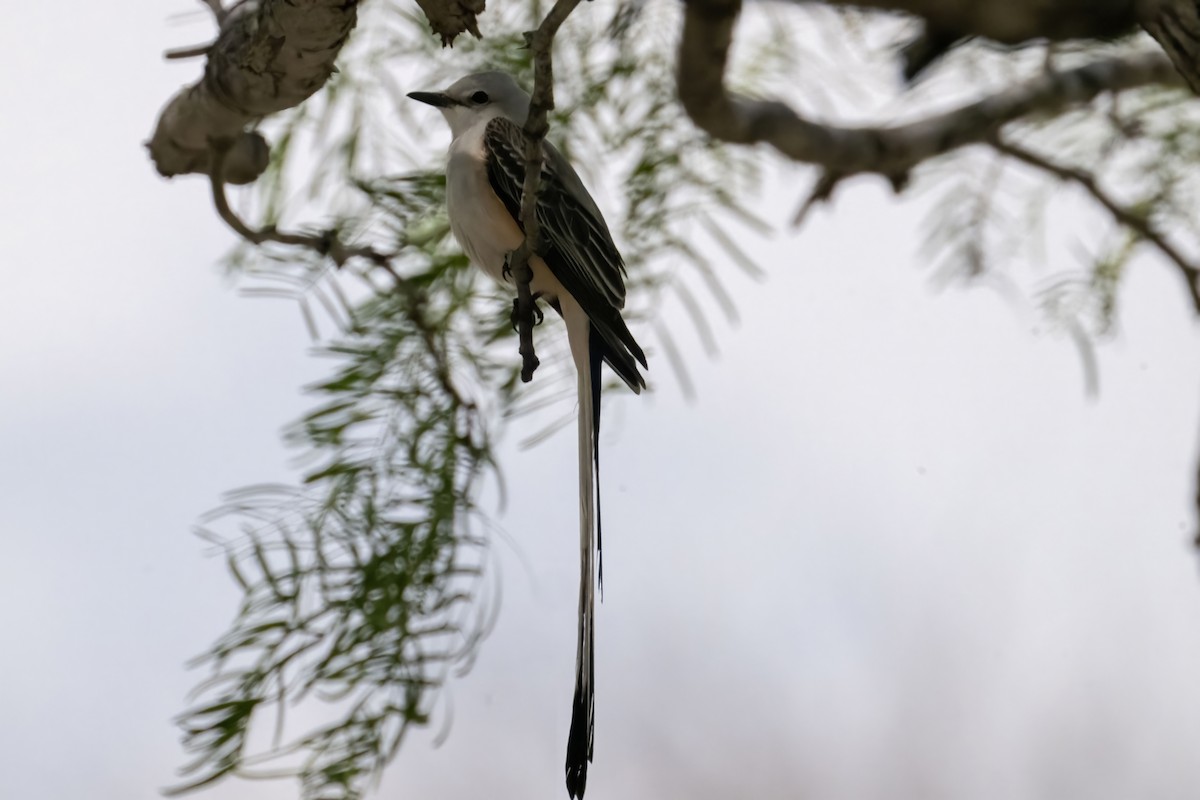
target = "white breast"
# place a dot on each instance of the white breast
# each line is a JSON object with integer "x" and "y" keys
{"x": 478, "y": 219}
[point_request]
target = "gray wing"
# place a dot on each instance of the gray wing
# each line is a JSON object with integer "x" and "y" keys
{"x": 576, "y": 244}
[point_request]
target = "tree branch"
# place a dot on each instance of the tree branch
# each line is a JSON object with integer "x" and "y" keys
{"x": 1015, "y": 21}
{"x": 1175, "y": 24}
{"x": 218, "y": 9}
{"x": 327, "y": 243}
{"x": 268, "y": 56}
{"x": 449, "y": 18}
{"x": 1136, "y": 221}
{"x": 541, "y": 43}
{"x": 330, "y": 244}
{"x": 888, "y": 151}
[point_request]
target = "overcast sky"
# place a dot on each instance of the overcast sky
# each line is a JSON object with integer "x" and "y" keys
{"x": 891, "y": 551}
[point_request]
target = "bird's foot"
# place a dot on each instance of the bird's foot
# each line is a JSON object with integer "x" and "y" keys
{"x": 538, "y": 317}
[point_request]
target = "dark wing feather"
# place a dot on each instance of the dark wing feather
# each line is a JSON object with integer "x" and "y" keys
{"x": 576, "y": 244}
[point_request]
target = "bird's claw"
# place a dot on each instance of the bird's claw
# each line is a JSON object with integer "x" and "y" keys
{"x": 538, "y": 316}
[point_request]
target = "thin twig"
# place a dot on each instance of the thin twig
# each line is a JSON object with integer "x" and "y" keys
{"x": 1136, "y": 221}
{"x": 821, "y": 191}
{"x": 327, "y": 243}
{"x": 217, "y": 8}
{"x": 541, "y": 43}
{"x": 330, "y": 245}
{"x": 195, "y": 51}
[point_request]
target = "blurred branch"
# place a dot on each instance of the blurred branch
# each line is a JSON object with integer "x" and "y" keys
{"x": 1135, "y": 220}
{"x": 217, "y": 8}
{"x": 1016, "y": 21}
{"x": 268, "y": 56}
{"x": 1175, "y": 24}
{"x": 449, "y": 18}
{"x": 541, "y": 45}
{"x": 888, "y": 151}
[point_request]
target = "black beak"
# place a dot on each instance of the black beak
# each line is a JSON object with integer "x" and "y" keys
{"x": 436, "y": 99}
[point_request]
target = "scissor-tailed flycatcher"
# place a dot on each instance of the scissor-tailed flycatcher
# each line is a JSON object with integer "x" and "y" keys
{"x": 577, "y": 270}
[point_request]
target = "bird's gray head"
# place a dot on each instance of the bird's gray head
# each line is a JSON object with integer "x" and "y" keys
{"x": 477, "y": 98}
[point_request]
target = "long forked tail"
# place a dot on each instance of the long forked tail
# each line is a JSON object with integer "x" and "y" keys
{"x": 588, "y": 359}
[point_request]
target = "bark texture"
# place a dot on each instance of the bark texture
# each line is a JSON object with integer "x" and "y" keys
{"x": 270, "y": 55}
{"x": 1175, "y": 24}
{"x": 449, "y": 18}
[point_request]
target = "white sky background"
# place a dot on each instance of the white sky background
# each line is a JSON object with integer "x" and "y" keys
{"x": 891, "y": 552}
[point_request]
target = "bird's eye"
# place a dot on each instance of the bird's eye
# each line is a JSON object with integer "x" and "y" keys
{"x": 480, "y": 97}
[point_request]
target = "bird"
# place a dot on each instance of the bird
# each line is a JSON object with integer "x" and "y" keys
{"x": 578, "y": 271}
